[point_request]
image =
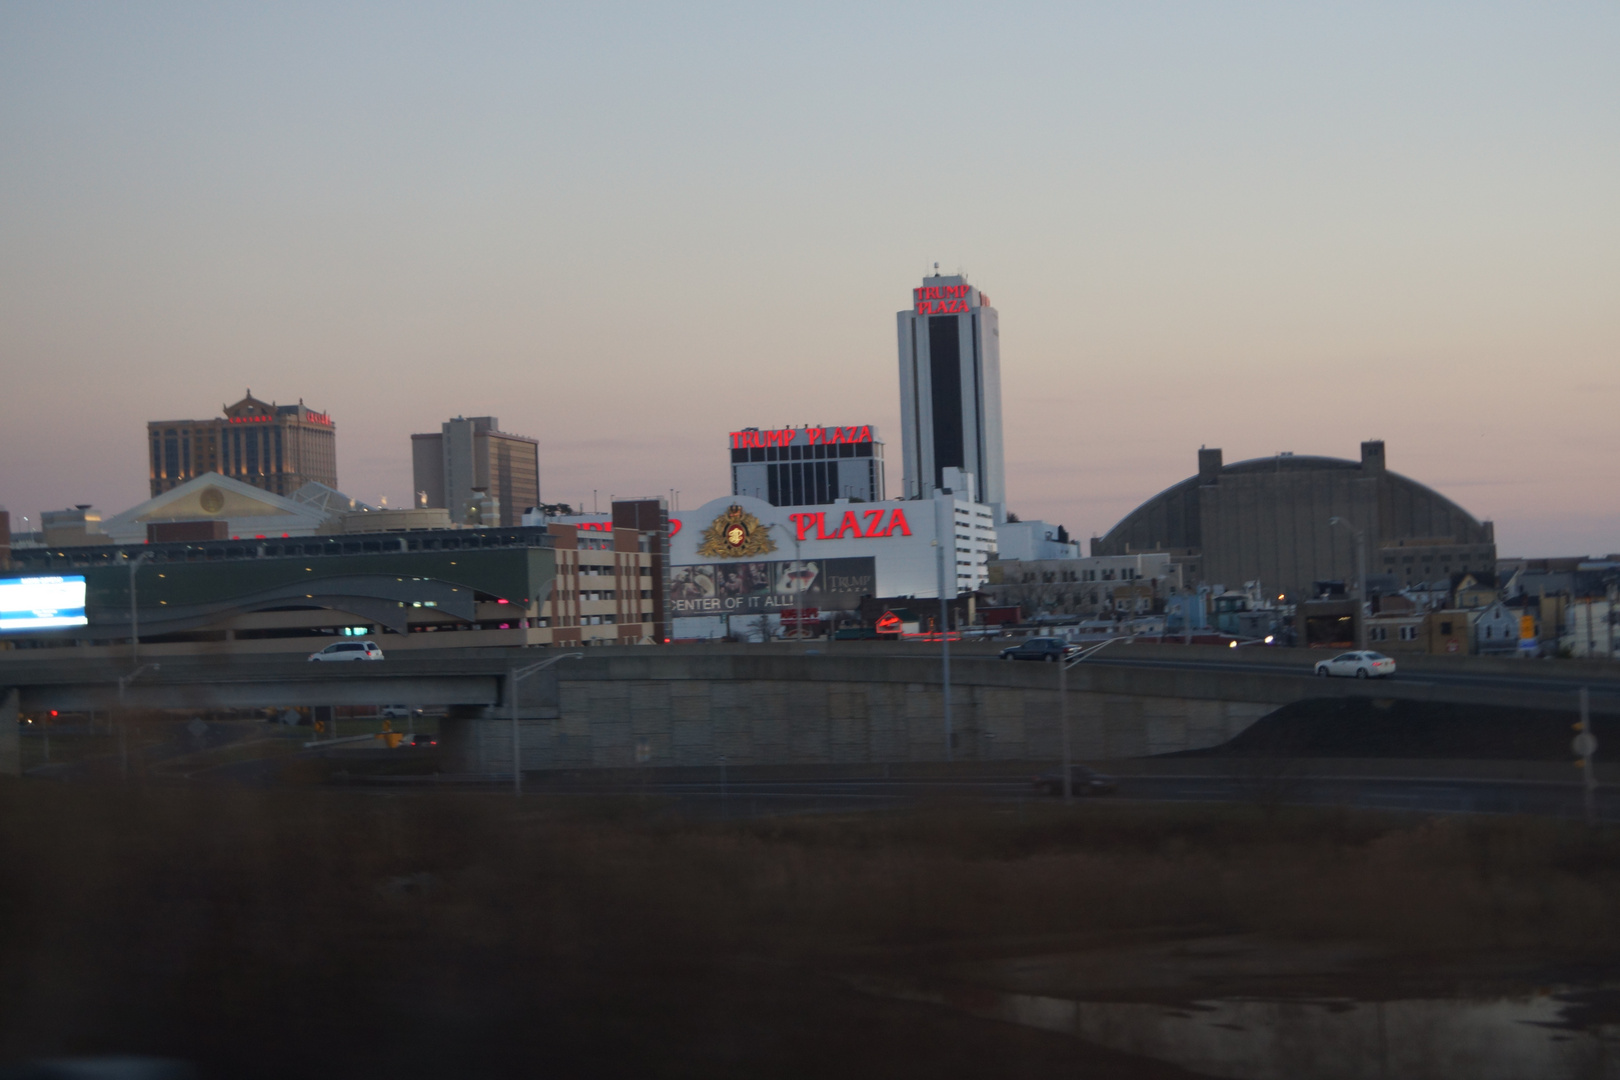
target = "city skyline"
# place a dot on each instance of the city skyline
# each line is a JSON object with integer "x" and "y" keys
{"x": 1265, "y": 229}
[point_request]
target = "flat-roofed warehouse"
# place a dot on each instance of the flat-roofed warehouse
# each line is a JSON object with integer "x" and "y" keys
{"x": 1269, "y": 520}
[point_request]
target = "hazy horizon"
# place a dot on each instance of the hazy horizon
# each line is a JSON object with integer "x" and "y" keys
{"x": 629, "y": 231}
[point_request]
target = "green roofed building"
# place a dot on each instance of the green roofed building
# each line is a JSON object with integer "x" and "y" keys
{"x": 539, "y": 586}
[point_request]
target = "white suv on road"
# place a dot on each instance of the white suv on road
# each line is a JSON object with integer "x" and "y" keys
{"x": 349, "y": 650}
{"x": 1361, "y": 665}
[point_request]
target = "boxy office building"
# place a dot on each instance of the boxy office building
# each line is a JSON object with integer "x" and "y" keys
{"x": 808, "y": 466}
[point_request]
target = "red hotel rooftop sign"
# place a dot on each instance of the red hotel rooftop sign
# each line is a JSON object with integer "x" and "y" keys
{"x": 312, "y": 417}
{"x": 945, "y": 299}
{"x": 854, "y": 525}
{"x": 742, "y": 440}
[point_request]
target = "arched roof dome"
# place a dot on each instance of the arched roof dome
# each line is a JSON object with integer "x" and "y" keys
{"x": 1307, "y": 487}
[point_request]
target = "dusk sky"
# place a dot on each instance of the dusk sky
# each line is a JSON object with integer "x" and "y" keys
{"x": 627, "y": 230}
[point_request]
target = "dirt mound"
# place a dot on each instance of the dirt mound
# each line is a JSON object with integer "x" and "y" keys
{"x": 1372, "y": 727}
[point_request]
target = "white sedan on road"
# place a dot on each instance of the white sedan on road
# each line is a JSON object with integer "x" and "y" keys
{"x": 349, "y": 650}
{"x": 1360, "y": 665}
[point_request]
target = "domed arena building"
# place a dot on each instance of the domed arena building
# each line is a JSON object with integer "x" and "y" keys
{"x": 1270, "y": 520}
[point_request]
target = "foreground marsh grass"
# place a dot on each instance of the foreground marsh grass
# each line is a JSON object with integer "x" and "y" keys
{"x": 288, "y": 932}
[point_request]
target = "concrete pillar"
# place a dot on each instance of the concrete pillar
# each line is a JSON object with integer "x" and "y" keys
{"x": 10, "y": 736}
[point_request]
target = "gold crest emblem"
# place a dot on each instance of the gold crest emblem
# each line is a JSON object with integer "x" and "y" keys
{"x": 736, "y": 534}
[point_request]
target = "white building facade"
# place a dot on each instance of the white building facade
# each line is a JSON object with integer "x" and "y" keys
{"x": 739, "y": 557}
{"x": 1033, "y": 541}
{"x": 1591, "y": 629}
{"x": 950, "y": 391}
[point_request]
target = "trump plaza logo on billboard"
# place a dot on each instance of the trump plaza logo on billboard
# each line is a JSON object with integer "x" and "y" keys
{"x": 878, "y": 523}
{"x": 41, "y": 603}
{"x": 757, "y": 588}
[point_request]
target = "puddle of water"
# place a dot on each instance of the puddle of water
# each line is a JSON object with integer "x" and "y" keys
{"x": 1504, "y": 1038}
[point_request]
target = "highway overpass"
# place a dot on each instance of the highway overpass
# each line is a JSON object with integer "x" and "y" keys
{"x": 842, "y": 702}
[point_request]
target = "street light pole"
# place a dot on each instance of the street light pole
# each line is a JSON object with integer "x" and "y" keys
{"x": 1586, "y": 746}
{"x": 945, "y": 640}
{"x": 123, "y": 721}
{"x": 797, "y": 583}
{"x": 798, "y": 592}
{"x": 1063, "y": 711}
{"x": 1361, "y": 579}
{"x": 136, "y": 667}
{"x": 134, "y": 614}
{"x": 513, "y": 676}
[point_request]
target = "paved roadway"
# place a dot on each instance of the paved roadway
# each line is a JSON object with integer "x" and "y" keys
{"x": 472, "y": 676}
{"x": 1605, "y": 692}
{"x": 1446, "y": 795}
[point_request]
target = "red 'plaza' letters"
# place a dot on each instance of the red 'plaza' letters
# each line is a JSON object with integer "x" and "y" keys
{"x": 851, "y": 526}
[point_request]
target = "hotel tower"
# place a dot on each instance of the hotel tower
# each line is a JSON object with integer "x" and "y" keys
{"x": 950, "y": 390}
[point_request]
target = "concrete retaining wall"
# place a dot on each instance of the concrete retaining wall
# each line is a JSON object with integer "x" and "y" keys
{"x": 1009, "y": 713}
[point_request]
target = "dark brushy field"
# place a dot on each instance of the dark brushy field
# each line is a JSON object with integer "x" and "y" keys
{"x": 338, "y": 933}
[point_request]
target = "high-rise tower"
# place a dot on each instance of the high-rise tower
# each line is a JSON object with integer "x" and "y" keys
{"x": 469, "y": 457}
{"x": 279, "y": 448}
{"x": 950, "y": 390}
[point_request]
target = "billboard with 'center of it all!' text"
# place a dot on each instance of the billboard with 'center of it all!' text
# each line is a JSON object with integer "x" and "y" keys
{"x": 41, "y": 603}
{"x": 755, "y": 588}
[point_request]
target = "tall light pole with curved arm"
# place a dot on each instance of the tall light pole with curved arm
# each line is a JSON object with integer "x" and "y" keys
{"x": 134, "y": 615}
{"x": 1064, "y": 664}
{"x": 512, "y": 679}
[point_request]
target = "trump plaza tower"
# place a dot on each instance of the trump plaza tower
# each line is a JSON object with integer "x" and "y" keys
{"x": 950, "y": 391}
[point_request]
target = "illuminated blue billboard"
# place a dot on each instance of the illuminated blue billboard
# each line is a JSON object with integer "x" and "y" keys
{"x": 41, "y": 603}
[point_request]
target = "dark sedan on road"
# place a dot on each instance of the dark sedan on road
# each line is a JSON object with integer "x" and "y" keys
{"x": 1049, "y": 649}
{"x": 1083, "y": 780}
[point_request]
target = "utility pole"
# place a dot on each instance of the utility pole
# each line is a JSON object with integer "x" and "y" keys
{"x": 1361, "y": 579}
{"x": 1585, "y": 745}
{"x": 514, "y": 675}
